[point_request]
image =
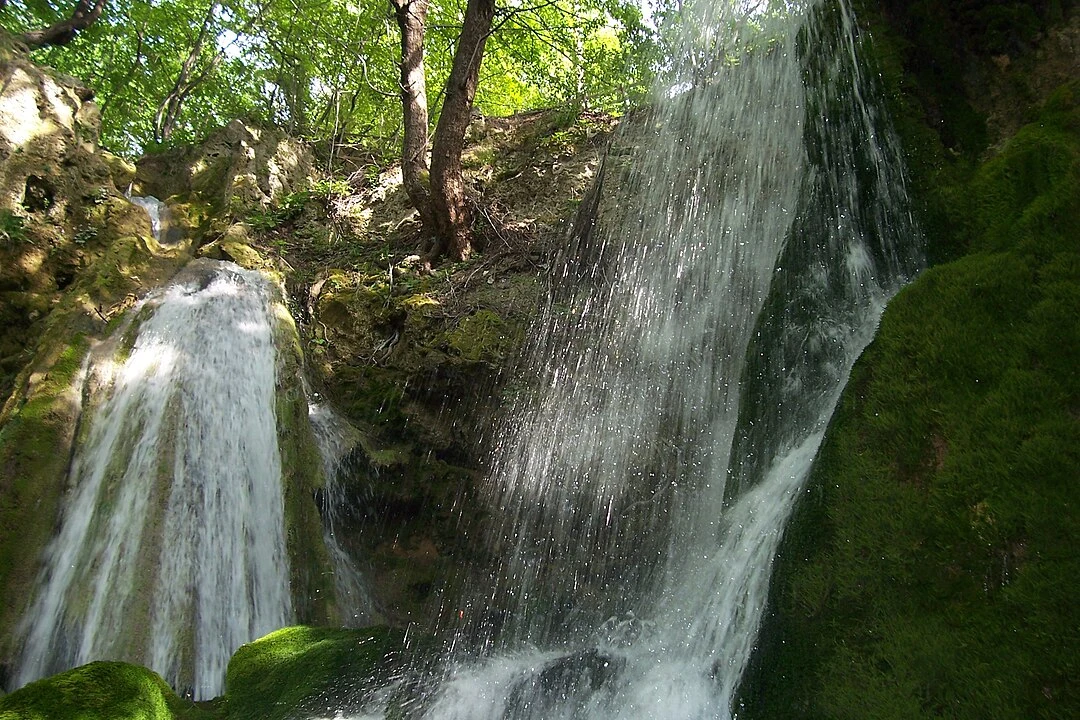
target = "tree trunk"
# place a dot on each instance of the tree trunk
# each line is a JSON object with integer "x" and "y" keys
{"x": 85, "y": 14}
{"x": 450, "y": 206}
{"x": 411, "y": 17}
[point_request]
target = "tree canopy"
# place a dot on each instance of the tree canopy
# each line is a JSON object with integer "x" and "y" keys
{"x": 168, "y": 71}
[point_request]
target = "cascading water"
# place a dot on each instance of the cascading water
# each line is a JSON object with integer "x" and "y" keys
{"x": 338, "y": 441}
{"x": 159, "y": 215}
{"x": 171, "y": 550}
{"x": 688, "y": 368}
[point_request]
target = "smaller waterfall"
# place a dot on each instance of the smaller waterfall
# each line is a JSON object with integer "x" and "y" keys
{"x": 338, "y": 441}
{"x": 171, "y": 550}
{"x": 159, "y": 217}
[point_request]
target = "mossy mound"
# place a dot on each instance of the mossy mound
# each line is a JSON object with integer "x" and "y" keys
{"x": 310, "y": 670}
{"x": 930, "y": 570}
{"x": 99, "y": 691}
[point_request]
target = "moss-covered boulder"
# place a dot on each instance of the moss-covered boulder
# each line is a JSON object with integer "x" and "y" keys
{"x": 99, "y": 691}
{"x": 308, "y": 671}
{"x": 930, "y": 570}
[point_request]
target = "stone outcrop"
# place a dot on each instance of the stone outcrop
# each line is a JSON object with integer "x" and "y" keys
{"x": 239, "y": 168}
{"x": 58, "y": 202}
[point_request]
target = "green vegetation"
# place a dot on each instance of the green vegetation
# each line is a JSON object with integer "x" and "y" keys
{"x": 167, "y": 73}
{"x": 483, "y": 337}
{"x": 285, "y": 674}
{"x": 930, "y": 571}
{"x": 12, "y": 228}
{"x": 310, "y": 669}
{"x": 99, "y": 691}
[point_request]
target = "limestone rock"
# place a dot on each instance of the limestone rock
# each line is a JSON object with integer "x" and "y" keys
{"x": 238, "y": 168}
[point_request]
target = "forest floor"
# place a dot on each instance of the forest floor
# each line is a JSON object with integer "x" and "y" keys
{"x": 525, "y": 174}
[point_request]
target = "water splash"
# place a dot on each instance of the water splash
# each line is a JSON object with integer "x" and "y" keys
{"x": 691, "y": 357}
{"x": 171, "y": 550}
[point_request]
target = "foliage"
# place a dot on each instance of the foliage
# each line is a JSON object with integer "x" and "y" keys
{"x": 328, "y": 68}
{"x": 285, "y": 209}
{"x": 12, "y": 228}
{"x": 929, "y": 571}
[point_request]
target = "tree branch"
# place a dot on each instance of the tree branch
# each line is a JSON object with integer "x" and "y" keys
{"x": 85, "y": 14}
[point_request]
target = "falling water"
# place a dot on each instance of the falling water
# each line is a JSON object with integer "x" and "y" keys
{"x": 159, "y": 215}
{"x": 171, "y": 550}
{"x": 692, "y": 356}
{"x": 338, "y": 442}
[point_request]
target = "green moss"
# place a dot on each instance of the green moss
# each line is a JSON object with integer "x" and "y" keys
{"x": 1022, "y": 196}
{"x": 33, "y": 454}
{"x": 482, "y": 337}
{"x": 99, "y": 691}
{"x": 929, "y": 570}
{"x": 300, "y": 669}
{"x": 372, "y": 395}
{"x": 311, "y": 575}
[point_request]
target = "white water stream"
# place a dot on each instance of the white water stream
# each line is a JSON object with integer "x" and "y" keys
{"x": 160, "y": 219}
{"x": 171, "y": 550}
{"x": 688, "y": 368}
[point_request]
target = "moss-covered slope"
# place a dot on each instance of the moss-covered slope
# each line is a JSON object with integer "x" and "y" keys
{"x": 931, "y": 569}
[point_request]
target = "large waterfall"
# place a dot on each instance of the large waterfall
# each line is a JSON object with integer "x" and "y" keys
{"x": 171, "y": 550}
{"x": 693, "y": 352}
{"x": 695, "y": 343}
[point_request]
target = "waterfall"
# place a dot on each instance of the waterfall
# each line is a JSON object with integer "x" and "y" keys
{"x": 159, "y": 215}
{"x": 691, "y": 356}
{"x": 171, "y": 550}
{"x": 338, "y": 442}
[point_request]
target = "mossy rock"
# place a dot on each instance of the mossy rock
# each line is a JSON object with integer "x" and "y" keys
{"x": 301, "y": 669}
{"x": 34, "y": 438}
{"x": 121, "y": 170}
{"x": 99, "y": 691}
{"x": 928, "y": 571}
{"x": 236, "y": 169}
{"x": 311, "y": 573}
{"x": 482, "y": 337}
